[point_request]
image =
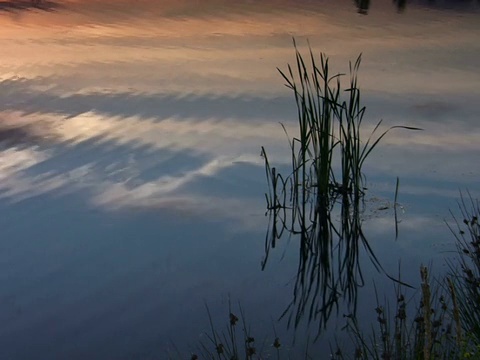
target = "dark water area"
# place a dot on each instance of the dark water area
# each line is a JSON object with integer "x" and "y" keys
{"x": 131, "y": 182}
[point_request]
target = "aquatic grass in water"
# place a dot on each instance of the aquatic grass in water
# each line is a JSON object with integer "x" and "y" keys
{"x": 418, "y": 328}
{"x": 465, "y": 275}
{"x": 327, "y": 122}
{"x": 304, "y": 202}
{"x": 236, "y": 342}
{"x": 446, "y": 324}
{"x": 438, "y": 321}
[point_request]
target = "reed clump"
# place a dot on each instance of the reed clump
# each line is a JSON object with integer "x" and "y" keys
{"x": 420, "y": 327}
{"x": 465, "y": 272}
{"x": 236, "y": 341}
{"x": 326, "y": 183}
{"x": 330, "y": 118}
{"x": 444, "y": 321}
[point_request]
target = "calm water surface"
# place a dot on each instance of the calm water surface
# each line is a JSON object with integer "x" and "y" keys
{"x": 131, "y": 182}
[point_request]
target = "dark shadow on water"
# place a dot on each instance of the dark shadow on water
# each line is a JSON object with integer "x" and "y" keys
{"x": 363, "y": 6}
{"x": 19, "y": 95}
{"x": 14, "y": 135}
{"x": 22, "y": 5}
{"x": 401, "y": 4}
{"x": 20, "y": 136}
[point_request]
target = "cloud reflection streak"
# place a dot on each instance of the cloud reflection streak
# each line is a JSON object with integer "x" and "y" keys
{"x": 202, "y": 84}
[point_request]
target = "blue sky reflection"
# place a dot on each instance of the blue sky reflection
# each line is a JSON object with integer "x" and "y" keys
{"x": 130, "y": 157}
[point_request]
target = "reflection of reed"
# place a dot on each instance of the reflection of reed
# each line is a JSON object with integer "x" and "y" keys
{"x": 305, "y": 202}
{"x": 363, "y": 6}
{"x": 330, "y": 234}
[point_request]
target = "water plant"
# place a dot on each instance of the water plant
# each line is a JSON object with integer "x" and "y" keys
{"x": 327, "y": 121}
{"x": 444, "y": 321}
{"x": 236, "y": 342}
{"x": 439, "y": 320}
{"x": 327, "y": 157}
{"x": 328, "y": 263}
{"x": 420, "y": 327}
{"x": 465, "y": 272}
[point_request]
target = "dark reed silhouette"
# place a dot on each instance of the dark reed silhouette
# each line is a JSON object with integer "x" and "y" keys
{"x": 305, "y": 203}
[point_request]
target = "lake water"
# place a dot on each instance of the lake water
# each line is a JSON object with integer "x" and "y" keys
{"x": 131, "y": 182}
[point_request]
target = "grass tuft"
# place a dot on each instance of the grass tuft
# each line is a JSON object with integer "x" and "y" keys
{"x": 327, "y": 157}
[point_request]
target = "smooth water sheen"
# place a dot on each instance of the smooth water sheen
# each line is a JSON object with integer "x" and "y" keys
{"x": 131, "y": 182}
